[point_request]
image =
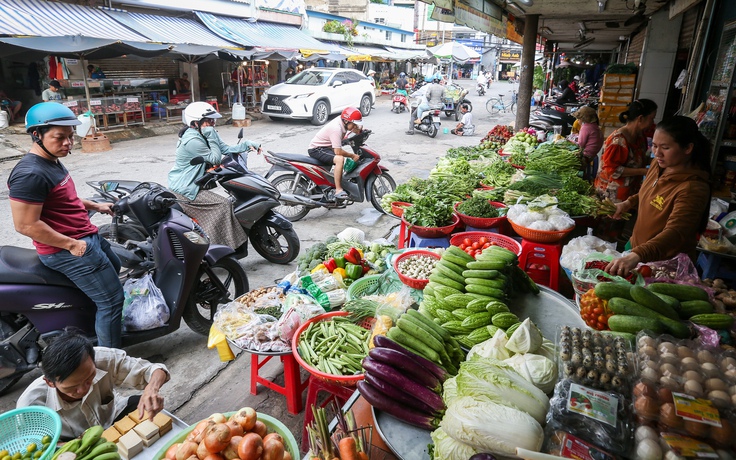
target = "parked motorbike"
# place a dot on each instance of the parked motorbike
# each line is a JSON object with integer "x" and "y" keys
{"x": 481, "y": 89}
{"x": 194, "y": 276}
{"x": 551, "y": 114}
{"x": 310, "y": 184}
{"x": 399, "y": 102}
{"x": 254, "y": 202}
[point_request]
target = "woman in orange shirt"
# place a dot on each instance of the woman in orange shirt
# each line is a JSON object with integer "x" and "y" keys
{"x": 622, "y": 165}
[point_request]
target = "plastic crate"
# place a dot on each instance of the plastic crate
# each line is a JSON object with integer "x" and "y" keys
{"x": 26, "y": 425}
{"x": 500, "y": 240}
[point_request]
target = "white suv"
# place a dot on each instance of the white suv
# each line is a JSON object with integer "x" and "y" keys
{"x": 317, "y": 93}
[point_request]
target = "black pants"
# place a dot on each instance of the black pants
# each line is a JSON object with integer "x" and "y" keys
{"x": 132, "y": 405}
{"x": 322, "y": 154}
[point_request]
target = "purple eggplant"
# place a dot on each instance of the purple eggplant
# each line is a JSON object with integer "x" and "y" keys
{"x": 404, "y": 363}
{"x": 482, "y": 457}
{"x": 397, "y": 394}
{"x": 438, "y": 371}
{"x": 390, "y": 375}
{"x": 378, "y": 400}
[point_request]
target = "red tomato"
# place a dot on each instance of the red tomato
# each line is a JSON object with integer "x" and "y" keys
{"x": 645, "y": 271}
{"x": 493, "y": 243}
{"x": 486, "y": 245}
{"x": 467, "y": 242}
{"x": 477, "y": 252}
{"x": 475, "y": 245}
{"x": 483, "y": 240}
{"x": 462, "y": 246}
{"x": 470, "y": 251}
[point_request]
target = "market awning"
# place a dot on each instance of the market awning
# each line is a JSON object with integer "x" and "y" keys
{"x": 179, "y": 31}
{"x": 264, "y": 35}
{"x": 50, "y": 19}
{"x": 74, "y": 46}
{"x": 399, "y": 54}
{"x": 367, "y": 53}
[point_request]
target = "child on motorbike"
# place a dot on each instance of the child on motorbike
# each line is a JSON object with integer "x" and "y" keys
{"x": 213, "y": 212}
{"x": 326, "y": 146}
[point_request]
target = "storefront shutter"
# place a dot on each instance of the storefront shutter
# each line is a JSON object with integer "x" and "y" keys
{"x": 689, "y": 24}
{"x": 129, "y": 68}
{"x": 635, "y": 47}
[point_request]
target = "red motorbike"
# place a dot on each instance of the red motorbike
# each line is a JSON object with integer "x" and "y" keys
{"x": 310, "y": 184}
{"x": 400, "y": 102}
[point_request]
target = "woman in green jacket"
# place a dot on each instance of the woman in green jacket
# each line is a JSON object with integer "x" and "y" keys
{"x": 199, "y": 139}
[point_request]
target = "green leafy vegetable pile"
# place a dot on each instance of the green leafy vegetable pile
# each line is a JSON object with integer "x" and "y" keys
{"x": 429, "y": 212}
{"x": 477, "y": 207}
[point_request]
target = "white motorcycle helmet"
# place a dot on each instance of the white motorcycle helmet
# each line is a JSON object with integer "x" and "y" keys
{"x": 196, "y": 111}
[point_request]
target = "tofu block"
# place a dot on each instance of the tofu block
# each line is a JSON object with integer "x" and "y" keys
{"x": 146, "y": 429}
{"x": 134, "y": 416}
{"x": 124, "y": 425}
{"x": 151, "y": 441}
{"x": 130, "y": 444}
{"x": 163, "y": 422}
{"x": 111, "y": 434}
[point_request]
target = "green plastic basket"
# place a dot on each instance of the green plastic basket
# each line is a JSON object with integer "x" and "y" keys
{"x": 26, "y": 425}
{"x": 364, "y": 286}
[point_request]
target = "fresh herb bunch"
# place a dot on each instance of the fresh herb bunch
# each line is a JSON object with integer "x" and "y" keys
{"x": 477, "y": 207}
{"x": 429, "y": 212}
{"x": 498, "y": 174}
{"x": 518, "y": 159}
{"x": 574, "y": 183}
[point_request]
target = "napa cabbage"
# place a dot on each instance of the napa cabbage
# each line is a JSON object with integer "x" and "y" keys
{"x": 537, "y": 369}
{"x": 448, "y": 448}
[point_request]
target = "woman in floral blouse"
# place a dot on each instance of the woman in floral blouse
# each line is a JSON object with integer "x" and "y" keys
{"x": 623, "y": 163}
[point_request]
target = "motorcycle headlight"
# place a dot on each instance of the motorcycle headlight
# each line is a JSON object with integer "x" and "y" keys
{"x": 300, "y": 96}
{"x": 195, "y": 237}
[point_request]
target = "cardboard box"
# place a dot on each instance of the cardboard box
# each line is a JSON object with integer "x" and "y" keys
{"x": 619, "y": 80}
{"x": 616, "y": 96}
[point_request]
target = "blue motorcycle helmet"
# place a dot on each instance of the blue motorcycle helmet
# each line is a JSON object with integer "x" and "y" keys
{"x": 41, "y": 117}
{"x": 402, "y": 75}
{"x": 428, "y": 79}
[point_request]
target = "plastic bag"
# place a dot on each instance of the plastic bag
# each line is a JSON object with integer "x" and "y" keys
{"x": 304, "y": 305}
{"x": 575, "y": 252}
{"x": 144, "y": 307}
{"x": 260, "y": 334}
{"x": 679, "y": 268}
{"x": 717, "y": 244}
{"x": 592, "y": 271}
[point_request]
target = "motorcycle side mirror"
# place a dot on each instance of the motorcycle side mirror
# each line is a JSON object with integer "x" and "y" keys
{"x": 240, "y": 134}
{"x": 196, "y": 161}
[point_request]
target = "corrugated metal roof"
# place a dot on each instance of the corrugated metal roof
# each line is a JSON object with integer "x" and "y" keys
{"x": 50, "y": 19}
{"x": 264, "y": 35}
{"x": 166, "y": 29}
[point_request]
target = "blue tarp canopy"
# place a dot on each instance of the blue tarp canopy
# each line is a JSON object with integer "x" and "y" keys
{"x": 75, "y": 46}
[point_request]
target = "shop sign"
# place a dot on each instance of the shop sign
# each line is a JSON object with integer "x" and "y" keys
{"x": 511, "y": 32}
{"x": 116, "y": 82}
{"x": 442, "y": 14}
{"x": 475, "y": 45}
{"x": 130, "y": 100}
{"x": 77, "y": 84}
{"x": 95, "y": 102}
{"x": 125, "y": 82}
{"x": 510, "y": 55}
{"x": 162, "y": 81}
{"x": 94, "y": 84}
{"x": 72, "y": 61}
{"x": 70, "y": 103}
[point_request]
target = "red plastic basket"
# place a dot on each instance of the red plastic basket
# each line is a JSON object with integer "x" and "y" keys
{"x": 482, "y": 222}
{"x": 500, "y": 240}
{"x": 344, "y": 380}
{"x": 540, "y": 236}
{"x": 433, "y": 232}
{"x": 413, "y": 282}
{"x": 397, "y": 207}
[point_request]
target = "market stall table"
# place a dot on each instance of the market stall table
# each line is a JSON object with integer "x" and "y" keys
{"x": 710, "y": 262}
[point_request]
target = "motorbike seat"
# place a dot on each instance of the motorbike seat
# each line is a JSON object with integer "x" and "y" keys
{"x": 298, "y": 158}
{"x": 22, "y": 266}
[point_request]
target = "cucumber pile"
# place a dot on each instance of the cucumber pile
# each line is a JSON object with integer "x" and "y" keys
{"x": 466, "y": 296}
{"x": 660, "y": 308}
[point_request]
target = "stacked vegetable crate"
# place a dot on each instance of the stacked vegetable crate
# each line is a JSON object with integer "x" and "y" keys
{"x": 617, "y": 92}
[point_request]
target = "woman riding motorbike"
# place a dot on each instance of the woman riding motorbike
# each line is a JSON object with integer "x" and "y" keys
{"x": 200, "y": 139}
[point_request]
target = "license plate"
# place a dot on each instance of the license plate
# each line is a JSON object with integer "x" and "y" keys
{"x": 436, "y": 119}
{"x": 273, "y": 107}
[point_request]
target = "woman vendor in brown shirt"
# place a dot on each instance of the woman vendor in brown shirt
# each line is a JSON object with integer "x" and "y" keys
{"x": 673, "y": 201}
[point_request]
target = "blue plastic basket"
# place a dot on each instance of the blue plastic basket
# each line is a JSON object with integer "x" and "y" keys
{"x": 20, "y": 427}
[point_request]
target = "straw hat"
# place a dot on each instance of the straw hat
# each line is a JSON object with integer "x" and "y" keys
{"x": 586, "y": 114}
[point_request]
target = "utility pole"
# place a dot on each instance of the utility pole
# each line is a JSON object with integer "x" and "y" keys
{"x": 523, "y": 105}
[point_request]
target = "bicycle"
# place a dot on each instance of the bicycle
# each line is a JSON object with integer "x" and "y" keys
{"x": 496, "y": 105}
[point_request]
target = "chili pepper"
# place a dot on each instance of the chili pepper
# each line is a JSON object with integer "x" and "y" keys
{"x": 341, "y": 271}
{"x": 353, "y": 256}
{"x": 340, "y": 261}
{"x": 330, "y": 265}
{"x": 353, "y": 271}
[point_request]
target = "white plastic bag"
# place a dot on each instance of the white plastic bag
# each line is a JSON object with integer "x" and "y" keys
{"x": 144, "y": 307}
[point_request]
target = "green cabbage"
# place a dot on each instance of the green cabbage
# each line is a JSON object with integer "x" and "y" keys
{"x": 537, "y": 369}
{"x": 495, "y": 347}
{"x": 447, "y": 448}
{"x": 492, "y": 380}
{"x": 548, "y": 350}
{"x": 526, "y": 338}
{"x": 491, "y": 427}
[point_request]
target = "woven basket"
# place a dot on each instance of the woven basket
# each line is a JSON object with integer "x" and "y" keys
{"x": 343, "y": 380}
{"x": 500, "y": 240}
{"x": 540, "y": 236}
{"x": 482, "y": 222}
{"x": 21, "y": 427}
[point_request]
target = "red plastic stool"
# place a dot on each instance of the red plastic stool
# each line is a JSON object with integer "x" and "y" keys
{"x": 213, "y": 102}
{"x": 293, "y": 385}
{"x": 342, "y": 393}
{"x": 547, "y": 255}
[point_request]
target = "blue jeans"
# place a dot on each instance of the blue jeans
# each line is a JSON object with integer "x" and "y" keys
{"x": 96, "y": 274}
{"x": 421, "y": 109}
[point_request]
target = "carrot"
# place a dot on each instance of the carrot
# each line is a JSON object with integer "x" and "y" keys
{"x": 362, "y": 456}
{"x": 347, "y": 448}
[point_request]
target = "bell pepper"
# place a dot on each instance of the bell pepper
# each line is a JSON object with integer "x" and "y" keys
{"x": 340, "y": 261}
{"x": 353, "y": 256}
{"x": 319, "y": 268}
{"x": 341, "y": 271}
{"x": 364, "y": 265}
{"x": 353, "y": 271}
{"x": 330, "y": 265}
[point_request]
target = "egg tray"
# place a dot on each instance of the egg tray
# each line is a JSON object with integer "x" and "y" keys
{"x": 595, "y": 359}
{"x": 666, "y": 365}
